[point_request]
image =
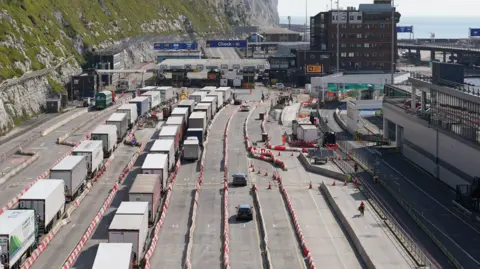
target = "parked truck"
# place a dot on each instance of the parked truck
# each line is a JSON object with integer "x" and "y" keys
{"x": 307, "y": 132}
{"x": 73, "y": 171}
{"x": 47, "y": 198}
{"x": 108, "y": 135}
{"x": 143, "y": 105}
{"x": 204, "y": 107}
{"x": 119, "y": 120}
{"x": 153, "y": 98}
{"x": 191, "y": 148}
{"x": 165, "y": 146}
{"x": 93, "y": 152}
{"x": 213, "y": 102}
{"x": 18, "y": 237}
{"x": 129, "y": 229}
{"x": 103, "y": 99}
{"x": 146, "y": 89}
{"x": 114, "y": 255}
{"x": 156, "y": 164}
{"x": 183, "y": 112}
{"x": 131, "y": 111}
{"x": 197, "y": 96}
{"x": 227, "y": 94}
{"x": 170, "y": 132}
{"x": 147, "y": 188}
{"x": 198, "y": 120}
{"x": 219, "y": 99}
{"x": 133, "y": 208}
{"x": 208, "y": 89}
{"x": 167, "y": 93}
{"x": 190, "y": 104}
{"x": 199, "y": 133}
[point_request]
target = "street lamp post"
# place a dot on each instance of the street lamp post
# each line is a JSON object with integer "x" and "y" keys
{"x": 393, "y": 44}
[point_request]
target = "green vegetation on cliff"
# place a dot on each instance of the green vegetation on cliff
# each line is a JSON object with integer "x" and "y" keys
{"x": 62, "y": 27}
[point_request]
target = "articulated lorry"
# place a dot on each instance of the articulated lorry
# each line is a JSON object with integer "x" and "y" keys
{"x": 114, "y": 255}
{"x": 119, "y": 120}
{"x": 147, "y": 188}
{"x": 93, "y": 152}
{"x": 156, "y": 164}
{"x": 191, "y": 149}
{"x": 131, "y": 111}
{"x": 73, "y": 171}
{"x": 108, "y": 135}
{"x": 165, "y": 146}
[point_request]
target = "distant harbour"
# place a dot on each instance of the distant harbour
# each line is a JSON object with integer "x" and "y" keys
{"x": 443, "y": 27}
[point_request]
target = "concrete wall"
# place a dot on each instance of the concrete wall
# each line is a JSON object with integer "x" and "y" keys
{"x": 319, "y": 170}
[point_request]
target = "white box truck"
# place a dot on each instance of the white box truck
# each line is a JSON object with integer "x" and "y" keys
{"x": 154, "y": 98}
{"x": 93, "y": 151}
{"x": 197, "y": 96}
{"x": 156, "y": 164}
{"x": 18, "y": 236}
{"x": 208, "y": 89}
{"x": 47, "y": 198}
{"x": 181, "y": 111}
{"x": 190, "y": 104}
{"x": 213, "y": 102}
{"x": 191, "y": 148}
{"x": 204, "y": 107}
{"x": 147, "y": 188}
{"x": 108, "y": 135}
{"x": 114, "y": 255}
{"x": 133, "y": 208}
{"x": 171, "y": 132}
{"x": 227, "y": 94}
{"x": 219, "y": 99}
{"x": 198, "y": 120}
{"x": 307, "y": 132}
{"x": 131, "y": 111}
{"x": 146, "y": 89}
{"x": 165, "y": 146}
{"x": 129, "y": 229}
{"x": 73, "y": 171}
{"x": 119, "y": 120}
{"x": 167, "y": 93}
{"x": 177, "y": 121}
{"x": 142, "y": 103}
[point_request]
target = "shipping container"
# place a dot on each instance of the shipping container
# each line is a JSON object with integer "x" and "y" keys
{"x": 131, "y": 111}
{"x": 190, "y": 104}
{"x": 177, "y": 121}
{"x": 197, "y": 132}
{"x": 156, "y": 164}
{"x": 191, "y": 148}
{"x": 153, "y": 98}
{"x": 198, "y": 120}
{"x": 143, "y": 105}
{"x": 181, "y": 111}
{"x": 103, "y": 99}
{"x": 167, "y": 93}
{"x": 307, "y": 132}
{"x": 227, "y": 94}
{"x": 93, "y": 151}
{"x": 18, "y": 236}
{"x": 146, "y": 89}
{"x": 73, "y": 171}
{"x": 219, "y": 99}
{"x": 171, "y": 132}
{"x": 108, "y": 135}
{"x": 147, "y": 188}
{"x": 165, "y": 146}
{"x": 197, "y": 96}
{"x": 121, "y": 121}
{"x": 114, "y": 255}
{"x": 129, "y": 229}
{"x": 204, "y": 107}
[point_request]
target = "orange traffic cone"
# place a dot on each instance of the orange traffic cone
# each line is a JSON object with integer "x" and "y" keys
{"x": 345, "y": 183}
{"x": 258, "y": 173}
{"x": 333, "y": 184}
{"x": 251, "y": 165}
{"x": 291, "y": 154}
{"x": 266, "y": 173}
{"x": 253, "y": 169}
{"x": 375, "y": 179}
{"x": 269, "y": 185}
{"x": 279, "y": 153}
{"x": 310, "y": 185}
{"x": 274, "y": 176}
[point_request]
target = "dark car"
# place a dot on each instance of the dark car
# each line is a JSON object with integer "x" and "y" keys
{"x": 244, "y": 212}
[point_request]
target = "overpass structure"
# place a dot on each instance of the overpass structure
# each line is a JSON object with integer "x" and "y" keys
{"x": 460, "y": 54}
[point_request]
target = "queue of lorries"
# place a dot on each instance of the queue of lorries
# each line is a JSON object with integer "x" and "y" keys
{"x": 45, "y": 202}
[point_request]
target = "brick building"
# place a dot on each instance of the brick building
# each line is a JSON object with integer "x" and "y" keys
{"x": 280, "y": 35}
{"x": 365, "y": 36}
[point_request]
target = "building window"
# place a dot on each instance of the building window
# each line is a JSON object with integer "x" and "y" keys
{"x": 344, "y": 26}
{"x": 382, "y": 26}
{"x": 343, "y": 54}
{"x": 344, "y": 45}
{"x": 359, "y": 26}
{"x": 351, "y": 17}
{"x": 374, "y": 54}
{"x": 366, "y": 45}
{"x": 367, "y": 26}
{"x": 366, "y": 54}
{"x": 342, "y": 35}
{"x": 359, "y": 35}
{"x": 359, "y": 45}
{"x": 351, "y": 54}
{"x": 359, "y": 18}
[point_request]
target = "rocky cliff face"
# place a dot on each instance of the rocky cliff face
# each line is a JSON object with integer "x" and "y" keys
{"x": 36, "y": 38}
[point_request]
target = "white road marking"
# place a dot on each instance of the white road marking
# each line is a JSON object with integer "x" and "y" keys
{"x": 243, "y": 226}
{"x": 208, "y": 225}
{"x": 274, "y": 225}
{"x": 73, "y": 225}
{"x": 41, "y": 145}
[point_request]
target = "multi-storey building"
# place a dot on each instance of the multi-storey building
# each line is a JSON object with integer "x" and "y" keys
{"x": 365, "y": 36}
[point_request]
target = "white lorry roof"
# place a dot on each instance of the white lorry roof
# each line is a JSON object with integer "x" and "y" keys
{"x": 10, "y": 220}
{"x": 162, "y": 145}
{"x": 190, "y": 142}
{"x": 128, "y": 106}
{"x": 198, "y": 115}
{"x": 88, "y": 146}
{"x": 175, "y": 120}
{"x": 144, "y": 183}
{"x": 223, "y": 89}
{"x": 169, "y": 130}
{"x": 208, "y": 99}
{"x": 185, "y": 102}
{"x": 122, "y": 255}
{"x": 152, "y": 161}
{"x": 117, "y": 117}
{"x": 148, "y": 88}
{"x": 126, "y": 222}
{"x": 308, "y": 126}
{"x": 139, "y": 99}
{"x": 105, "y": 129}
{"x": 198, "y": 93}
{"x": 132, "y": 208}
{"x": 68, "y": 163}
{"x": 203, "y": 105}
{"x": 180, "y": 110}
{"x": 164, "y": 88}
{"x": 42, "y": 189}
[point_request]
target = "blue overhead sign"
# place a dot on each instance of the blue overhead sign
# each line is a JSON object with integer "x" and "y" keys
{"x": 174, "y": 46}
{"x": 475, "y": 32}
{"x": 404, "y": 29}
{"x": 226, "y": 44}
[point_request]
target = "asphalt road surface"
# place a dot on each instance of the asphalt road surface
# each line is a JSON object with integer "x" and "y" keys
{"x": 223, "y": 53}
{"x": 69, "y": 235}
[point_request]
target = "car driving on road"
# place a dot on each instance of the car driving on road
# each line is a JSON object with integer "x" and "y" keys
{"x": 239, "y": 179}
{"x": 244, "y": 212}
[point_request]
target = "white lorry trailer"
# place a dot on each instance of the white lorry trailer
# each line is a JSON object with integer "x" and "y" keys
{"x": 204, "y": 107}
{"x": 114, "y": 255}
{"x": 171, "y": 132}
{"x": 129, "y": 229}
{"x": 227, "y": 94}
{"x": 73, "y": 171}
{"x": 93, "y": 152}
{"x": 177, "y": 121}
{"x": 181, "y": 111}
{"x": 119, "y": 120}
{"x": 18, "y": 236}
{"x": 191, "y": 149}
{"x": 131, "y": 111}
{"x": 142, "y": 103}
{"x": 133, "y": 208}
{"x": 156, "y": 164}
{"x": 212, "y": 100}
{"x": 198, "y": 120}
{"x": 108, "y": 135}
{"x": 165, "y": 146}
{"x": 190, "y": 104}
{"x": 147, "y": 188}
{"x": 47, "y": 198}
{"x": 197, "y": 96}
{"x": 307, "y": 132}
{"x": 208, "y": 89}
{"x": 219, "y": 98}
{"x": 167, "y": 93}
{"x": 153, "y": 98}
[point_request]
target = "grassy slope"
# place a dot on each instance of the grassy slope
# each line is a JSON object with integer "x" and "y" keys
{"x": 128, "y": 15}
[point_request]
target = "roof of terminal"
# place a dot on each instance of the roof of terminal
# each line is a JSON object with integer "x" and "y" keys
{"x": 169, "y": 63}
{"x": 277, "y": 30}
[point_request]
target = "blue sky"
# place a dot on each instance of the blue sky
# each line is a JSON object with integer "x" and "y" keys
{"x": 423, "y": 8}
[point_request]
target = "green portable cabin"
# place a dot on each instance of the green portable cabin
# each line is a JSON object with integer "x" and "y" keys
{"x": 103, "y": 99}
